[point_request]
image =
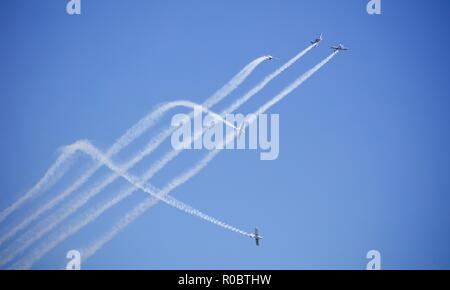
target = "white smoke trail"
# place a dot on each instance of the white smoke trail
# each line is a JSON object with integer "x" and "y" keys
{"x": 149, "y": 202}
{"x": 158, "y": 194}
{"x": 133, "y": 133}
{"x": 143, "y": 207}
{"x": 52, "y": 221}
{"x": 53, "y": 174}
{"x": 173, "y": 153}
{"x": 170, "y": 155}
{"x": 153, "y": 144}
{"x": 294, "y": 85}
{"x": 239, "y": 102}
{"x": 71, "y": 150}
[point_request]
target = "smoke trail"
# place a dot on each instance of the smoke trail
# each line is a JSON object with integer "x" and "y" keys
{"x": 172, "y": 154}
{"x": 155, "y": 142}
{"x": 133, "y": 133}
{"x": 267, "y": 80}
{"x": 52, "y": 221}
{"x": 143, "y": 207}
{"x": 169, "y": 156}
{"x": 53, "y": 174}
{"x": 294, "y": 85}
{"x": 149, "y": 202}
{"x": 70, "y": 150}
{"x": 153, "y": 191}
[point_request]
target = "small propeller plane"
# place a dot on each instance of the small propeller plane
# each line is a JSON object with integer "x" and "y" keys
{"x": 240, "y": 130}
{"x": 318, "y": 39}
{"x": 340, "y": 47}
{"x": 257, "y": 236}
{"x": 269, "y": 57}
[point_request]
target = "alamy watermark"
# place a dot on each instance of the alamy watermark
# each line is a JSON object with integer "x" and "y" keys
{"x": 374, "y": 257}
{"x": 74, "y": 257}
{"x": 229, "y": 132}
{"x": 374, "y": 7}
{"x": 73, "y": 7}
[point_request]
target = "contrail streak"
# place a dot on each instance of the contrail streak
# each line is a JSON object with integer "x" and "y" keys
{"x": 52, "y": 221}
{"x": 162, "y": 195}
{"x": 154, "y": 143}
{"x": 50, "y": 177}
{"x": 294, "y": 85}
{"x": 170, "y": 155}
{"x": 149, "y": 202}
{"x": 71, "y": 150}
{"x": 122, "y": 142}
{"x": 267, "y": 80}
{"x": 143, "y": 207}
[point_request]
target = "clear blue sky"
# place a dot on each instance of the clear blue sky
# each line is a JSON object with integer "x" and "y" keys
{"x": 364, "y": 161}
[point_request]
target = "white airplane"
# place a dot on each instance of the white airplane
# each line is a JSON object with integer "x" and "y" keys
{"x": 269, "y": 57}
{"x": 340, "y": 47}
{"x": 241, "y": 129}
{"x": 218, "y": 118}
{"x": 257, "y": 237}
{"x": 318, "y": 39}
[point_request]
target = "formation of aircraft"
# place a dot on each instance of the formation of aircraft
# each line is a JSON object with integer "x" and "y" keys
{"x": 339, "y": 47}
{"x": 240, "y": 130}
{"x": 319, "y": 39}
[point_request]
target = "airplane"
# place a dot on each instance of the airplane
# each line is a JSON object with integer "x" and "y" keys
{"x": 269, "y": 57}
{"x": 238, "y": 131}
{"x": 241, "y": 129}
{"x": 339, "y": 47}
{"x": 318, "y": 39}
{"x": 220, "y": 119}
{"x": 257, "y": 237}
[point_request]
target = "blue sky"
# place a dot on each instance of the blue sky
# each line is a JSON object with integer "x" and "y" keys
{"x": 364, "y": 143}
